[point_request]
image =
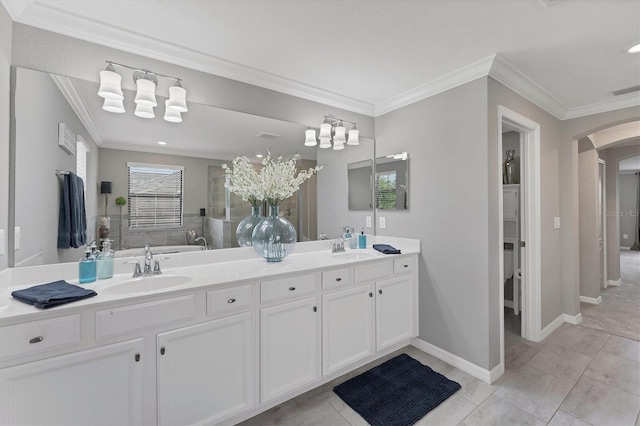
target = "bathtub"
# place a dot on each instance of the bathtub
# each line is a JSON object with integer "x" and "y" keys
{"x": 158, "y": 250}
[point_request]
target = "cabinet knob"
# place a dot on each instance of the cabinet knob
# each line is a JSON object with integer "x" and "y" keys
{"x": 406, "y": 266}
{"x": 370, "y": 294}
{"x": 231, "y": 300}
{"x": 162, "y": 350}
{"x": 292, "y": 288}
{"x": 315, "y": 309}
{"x": 338, "y": 279}
{"x": 137, "y": 357}
{"x": 380, "y": 291}
{"x": 36, "y": 339}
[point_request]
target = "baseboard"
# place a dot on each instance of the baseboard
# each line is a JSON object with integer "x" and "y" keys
{"x": 591, "y": 300}
{"x": 573, "y": 319}
{"x": 461, "y": 363}
{"x": 625, "y": 248}
{"x": 553, "y": 326}
{"x": 615, "y": 283}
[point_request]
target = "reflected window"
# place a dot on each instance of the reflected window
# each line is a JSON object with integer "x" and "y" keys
{"x": 155, "y": 195}
{"x": 386, "y": 190}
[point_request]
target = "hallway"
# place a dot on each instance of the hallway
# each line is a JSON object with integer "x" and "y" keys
{"x": 619, "y": 312}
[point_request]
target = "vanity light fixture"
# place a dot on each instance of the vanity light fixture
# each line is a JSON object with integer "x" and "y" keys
{"x": 333, "y": 127}
{"x": 634, "y": 49}
{"x": 146, "y": 84}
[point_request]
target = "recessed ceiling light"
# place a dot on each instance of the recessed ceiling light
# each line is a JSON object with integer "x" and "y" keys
{"x": 634, "y": 49}
{"x": 162, "y": 143}
{"x": 259, "y": 155}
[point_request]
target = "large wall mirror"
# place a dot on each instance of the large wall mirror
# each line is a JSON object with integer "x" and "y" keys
{"x": 392, "y": 182}
{"x": 206, "y": 138}
{"x": 360, "y": 176}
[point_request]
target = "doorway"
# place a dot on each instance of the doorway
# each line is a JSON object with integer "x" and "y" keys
{"x": 526, "y": 244}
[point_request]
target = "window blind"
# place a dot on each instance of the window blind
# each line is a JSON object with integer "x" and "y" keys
{"x": 386, "y": 190}
{"x": 155, "y": 195}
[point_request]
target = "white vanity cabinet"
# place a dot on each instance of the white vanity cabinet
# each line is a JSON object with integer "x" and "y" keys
{"x": 347, "y": 327}
{"x": 100, "y": 385}
{"x": 395, "y": 311}
{"x": 206, "y": 371}
{"x": 289, "y": 335}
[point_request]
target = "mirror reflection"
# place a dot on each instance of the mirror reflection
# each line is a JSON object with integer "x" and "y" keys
{"x": 207, "y": 138}
{"x": 392, "y": 182}
{"x": 360, "y": 176}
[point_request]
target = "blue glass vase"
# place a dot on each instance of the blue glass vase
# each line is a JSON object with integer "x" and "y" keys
{"x": 274, "y": 238}
{"x": 244, "y": 231}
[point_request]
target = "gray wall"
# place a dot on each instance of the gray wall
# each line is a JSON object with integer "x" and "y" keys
{"x": 588, "y": 202}
{"x": 628, "y": 208}
{"x": 40, "y": 106}
{"x": 446, "y": 138}
{"x": 6, "y": 30}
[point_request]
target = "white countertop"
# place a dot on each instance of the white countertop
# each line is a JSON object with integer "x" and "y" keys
{"x": 202, "y": 268}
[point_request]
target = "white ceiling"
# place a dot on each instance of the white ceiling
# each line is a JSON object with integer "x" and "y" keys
{"x": 377, "y": 55}
{"x": 630, "y": 164}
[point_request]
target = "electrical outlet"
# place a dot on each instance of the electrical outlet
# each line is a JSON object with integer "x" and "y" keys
{"x": 368, "y": 221}
{"x": 625, "y": 236}
{"x": 383, "y": 222}
{"x": 556, "y": 223}
{"x": 1, "y": 242}
{"x": 16, "y": 238}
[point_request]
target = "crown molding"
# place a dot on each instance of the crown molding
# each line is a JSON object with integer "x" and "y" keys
{"x": 449, "y": 81}
{"x": 508, "y": 75}
{"x": 625, "y": 101}
{"x": 15, "y": 8}
{"x": 48, "y": 17}
{"x": 70, "y": 93}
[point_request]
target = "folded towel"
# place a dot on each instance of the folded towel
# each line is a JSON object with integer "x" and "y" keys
{"x": 386, "y": 249}
{"x": 55, "y": 293}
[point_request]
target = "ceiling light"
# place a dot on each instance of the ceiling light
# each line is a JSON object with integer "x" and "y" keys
{"x": 333, "y": 127}
{"x": 310, "y": 137}
{"x": 259, "y": 155}
{"x": 113, "y": 105}
{"x": 161, "y": 143}
{"x": 146, "y": 84}
{"x": 634, "y": 49}
{"x": 171, "y": 114}
{"x": 110, "y": 84}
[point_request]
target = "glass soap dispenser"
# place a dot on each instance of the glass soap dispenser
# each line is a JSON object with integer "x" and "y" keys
{"x": 87, "y": 268}
{"x": 105, "y": 261}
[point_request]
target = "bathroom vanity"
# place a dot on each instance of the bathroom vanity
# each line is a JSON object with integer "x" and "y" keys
{"x": 221, "y": 338}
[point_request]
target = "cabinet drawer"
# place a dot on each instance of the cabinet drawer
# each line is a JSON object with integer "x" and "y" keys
{"x": 39, "y": 336}
{"x": 229, "y": 298}
{"x": 336, "y": 278}
{"x": 373, "y": 271}
{"x": 117, "y": 321}
{"x": 403, "y": 266}
{"x": 286, "y": 288}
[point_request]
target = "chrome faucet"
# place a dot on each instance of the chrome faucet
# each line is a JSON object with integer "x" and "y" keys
{"x": 203, "y": 239}
{"x": 338, "y": 246}
{"x": 148, "y": 256}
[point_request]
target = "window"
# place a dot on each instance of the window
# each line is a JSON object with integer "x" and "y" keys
{"x": 155, "y": 195}
{"x": 82, "y": 148}
{"x": 386, "y": 190}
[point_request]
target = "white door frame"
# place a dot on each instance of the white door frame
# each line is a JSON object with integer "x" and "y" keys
{"x": 530, "y": 226}
{"x": 602, "y": 182}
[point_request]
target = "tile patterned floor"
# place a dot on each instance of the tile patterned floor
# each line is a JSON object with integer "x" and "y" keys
{"x": 578, "y": 376}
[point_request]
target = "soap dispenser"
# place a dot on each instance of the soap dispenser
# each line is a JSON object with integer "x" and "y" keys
{"x": 105, "y": 261}
{"x": 362, "y": 240}
{"x": 87, "y": 268}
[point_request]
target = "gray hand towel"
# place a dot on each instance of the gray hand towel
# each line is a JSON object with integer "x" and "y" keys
{"x": 55, "y": 293}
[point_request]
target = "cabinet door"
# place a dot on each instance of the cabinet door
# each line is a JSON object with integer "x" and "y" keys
{"x": 96, "y": 386}
{"x": 395, "y": 311}
{"x": 206, "y": 371}
{"x": 289, "y": 356}
{"x": 347, "y": 327}
{"x": 510, "y": 203}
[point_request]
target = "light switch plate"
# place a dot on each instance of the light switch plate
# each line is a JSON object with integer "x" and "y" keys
{"x": 368, "y": 221}
{"x": 625, "y": 236}
{"x": 16, "y": 238}
{"x": 556, "y": 223}
{"x": 383, "y": 222}
{"x": 1, "y": 242}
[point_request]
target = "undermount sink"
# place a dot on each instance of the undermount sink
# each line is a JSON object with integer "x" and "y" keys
{"x": 352, "y": 255}
{"x": 144, "y": 284}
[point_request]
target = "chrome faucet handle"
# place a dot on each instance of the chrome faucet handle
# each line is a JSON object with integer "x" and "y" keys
{"x": 136, "y": 271}
{"x": 156, "y": 264}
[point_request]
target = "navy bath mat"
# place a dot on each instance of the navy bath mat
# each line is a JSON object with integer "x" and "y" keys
{"x": 399, "y": 392}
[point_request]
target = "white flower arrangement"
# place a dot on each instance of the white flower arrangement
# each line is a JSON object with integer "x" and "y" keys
{"x": 276, "y": 181}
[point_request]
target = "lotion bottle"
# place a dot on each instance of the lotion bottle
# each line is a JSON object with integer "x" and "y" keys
{"x": 105, "y": 261}
{"x": 362, "y": 240}
{"x": 87, "y": 268}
